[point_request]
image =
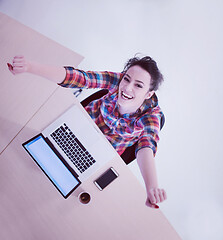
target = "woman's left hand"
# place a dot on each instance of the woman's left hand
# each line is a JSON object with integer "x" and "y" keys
{"x": 154, "y": 196}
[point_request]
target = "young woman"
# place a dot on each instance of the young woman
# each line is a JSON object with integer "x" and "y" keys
{"x": 129, "y": 113}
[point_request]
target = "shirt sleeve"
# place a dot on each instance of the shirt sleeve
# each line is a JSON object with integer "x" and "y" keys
{"x": 76, "y": 78}
{"x": 150, "y": 134}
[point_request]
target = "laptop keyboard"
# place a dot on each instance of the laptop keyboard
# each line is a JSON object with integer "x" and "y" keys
{"x": 72, "y": 147}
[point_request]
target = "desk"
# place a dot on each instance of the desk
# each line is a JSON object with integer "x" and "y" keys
{"x": 32, "y": 209}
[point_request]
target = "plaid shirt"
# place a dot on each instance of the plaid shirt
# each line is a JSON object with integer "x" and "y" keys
{"x": 122, "y": 131}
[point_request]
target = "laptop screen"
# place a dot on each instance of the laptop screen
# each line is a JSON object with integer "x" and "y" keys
{"x": 52, "y": 165}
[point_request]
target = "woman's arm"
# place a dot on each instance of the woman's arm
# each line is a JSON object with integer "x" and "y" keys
{"x": 147, "y": 167}
{"x": 67, "y": 76}
{"x": 52, "y": 73}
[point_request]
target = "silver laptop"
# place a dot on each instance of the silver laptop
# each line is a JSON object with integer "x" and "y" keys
{"x": 79, "y": 141}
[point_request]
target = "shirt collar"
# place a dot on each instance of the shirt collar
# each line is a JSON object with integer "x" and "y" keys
{"x": 147, "y": 104}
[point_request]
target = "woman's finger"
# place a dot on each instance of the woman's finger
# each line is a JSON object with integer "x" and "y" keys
{"x": 149, "y": 204}
{"x": 151, "y": 196}
{"x": 161, "y": 195}
{"x": 157, "y": 194}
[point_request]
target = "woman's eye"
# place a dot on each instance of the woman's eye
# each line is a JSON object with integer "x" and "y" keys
{"x": 126, "y": 79}
{"x": 138, "y": 85}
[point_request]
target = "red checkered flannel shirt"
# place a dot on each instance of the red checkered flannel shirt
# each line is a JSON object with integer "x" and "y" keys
{"x": 122, "y": 131}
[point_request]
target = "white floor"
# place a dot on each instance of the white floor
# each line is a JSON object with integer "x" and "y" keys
{"x": 185, "y": 38}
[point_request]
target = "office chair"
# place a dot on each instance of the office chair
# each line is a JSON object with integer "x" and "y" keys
{"x": 129, "y": 154}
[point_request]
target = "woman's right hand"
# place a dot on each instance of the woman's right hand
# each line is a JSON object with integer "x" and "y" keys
{"x": 19, "y": 65}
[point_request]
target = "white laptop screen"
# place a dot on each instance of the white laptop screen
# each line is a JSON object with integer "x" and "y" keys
{"x": 52, "y": 165}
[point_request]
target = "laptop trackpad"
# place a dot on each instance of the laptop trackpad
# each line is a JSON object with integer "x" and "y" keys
{"x": 88, "y": 135}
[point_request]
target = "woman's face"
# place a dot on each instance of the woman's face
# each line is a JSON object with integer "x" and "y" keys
{"x": 133, "y": 89}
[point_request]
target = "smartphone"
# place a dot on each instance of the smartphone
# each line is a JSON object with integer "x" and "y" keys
{"x": 106, "y": 178}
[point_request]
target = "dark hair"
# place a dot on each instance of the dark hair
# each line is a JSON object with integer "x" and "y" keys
{"x": 149, "y": 65}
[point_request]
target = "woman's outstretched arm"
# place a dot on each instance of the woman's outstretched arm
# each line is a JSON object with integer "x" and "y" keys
{"x": 146, "y": 165}
{"x": 21, "y": 65}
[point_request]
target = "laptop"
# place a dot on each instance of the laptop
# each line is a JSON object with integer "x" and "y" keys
{"x": 71, "y": 149}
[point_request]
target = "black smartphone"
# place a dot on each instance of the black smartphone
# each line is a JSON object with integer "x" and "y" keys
{"x": 106, "y": 178}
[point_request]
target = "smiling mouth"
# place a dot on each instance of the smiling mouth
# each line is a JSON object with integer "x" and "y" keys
{"x": 126, "y": 96}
